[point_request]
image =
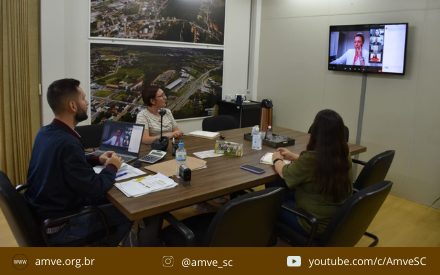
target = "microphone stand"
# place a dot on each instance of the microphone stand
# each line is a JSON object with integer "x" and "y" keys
{"x": 161, "y": 143}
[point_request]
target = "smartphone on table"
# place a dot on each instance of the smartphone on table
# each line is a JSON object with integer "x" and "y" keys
{"x": 253, "y": 169}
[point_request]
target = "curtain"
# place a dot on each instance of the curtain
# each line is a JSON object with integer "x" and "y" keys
{"x": 20, "y": 117}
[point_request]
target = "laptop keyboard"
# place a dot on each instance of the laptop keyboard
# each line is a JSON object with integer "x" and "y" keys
{"x": 126, "y": 159}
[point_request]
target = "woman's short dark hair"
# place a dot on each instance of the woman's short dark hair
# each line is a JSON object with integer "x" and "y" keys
{"x": 361, "y": 36}
{"x": 60, "y": 91}
{"x": 327, "y": 139}
{"x": 148, "y": 93}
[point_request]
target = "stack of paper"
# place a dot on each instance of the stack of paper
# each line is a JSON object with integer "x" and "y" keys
{"x": 147, "y": 185}
{"x": 204, "y": 134}
{"x": 267, "y": 159}
{"x": 125, "y": 171}
{"x": 207, "y": 154}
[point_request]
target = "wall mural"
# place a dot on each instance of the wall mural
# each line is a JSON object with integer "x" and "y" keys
{"x": 191, "y": 78}
{"x": 191, "y": 21}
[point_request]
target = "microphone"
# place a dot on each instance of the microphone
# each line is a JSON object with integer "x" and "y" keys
{"x": 161, "y": 143}
{"x": 162, "y": 112}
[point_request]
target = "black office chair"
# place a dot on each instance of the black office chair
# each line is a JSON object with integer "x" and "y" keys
{"x": 90, "y": 135}
{"x": 375, "y": 170}
{"x": 348, "y": 225}
{"x": 246, "y": 221}
{"x": 347, "y": 132}
{"x": 25, "y": 226}
{"x": 219, "y": 123}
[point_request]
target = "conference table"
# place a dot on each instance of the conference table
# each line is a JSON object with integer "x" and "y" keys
{"x": 222, "y": 176}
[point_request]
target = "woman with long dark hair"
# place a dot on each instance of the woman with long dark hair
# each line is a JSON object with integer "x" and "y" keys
{"x": 321, "y": 177}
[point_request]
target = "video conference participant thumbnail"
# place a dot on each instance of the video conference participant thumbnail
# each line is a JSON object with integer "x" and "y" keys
{"x": 376, "y": 38}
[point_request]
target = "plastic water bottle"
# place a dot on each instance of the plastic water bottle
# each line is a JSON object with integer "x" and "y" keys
{"x": 256, "y": 138}
{"x": 269, "y": 135}
{"x": 180, "y": 157}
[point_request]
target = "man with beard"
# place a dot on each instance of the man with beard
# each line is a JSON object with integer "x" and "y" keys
{"x": 61, "y": 177}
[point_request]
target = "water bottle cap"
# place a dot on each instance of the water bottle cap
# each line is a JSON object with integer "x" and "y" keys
{"x": 181, "y": 144}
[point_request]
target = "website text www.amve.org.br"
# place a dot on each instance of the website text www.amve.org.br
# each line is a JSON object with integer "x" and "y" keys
{"x": 22, "y": 262}
{"x": 385, "y": 261}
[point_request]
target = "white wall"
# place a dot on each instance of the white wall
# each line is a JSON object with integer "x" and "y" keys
{"x": 65, "y": 48}
{"x": 401, "y": 112}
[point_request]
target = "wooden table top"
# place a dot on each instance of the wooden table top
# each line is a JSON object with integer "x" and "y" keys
{"x": 222, "y": 176}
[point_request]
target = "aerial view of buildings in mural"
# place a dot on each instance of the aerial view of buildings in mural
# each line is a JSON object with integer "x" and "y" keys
{"x": 191, "y": 78}
{"x": 194, "y": 21}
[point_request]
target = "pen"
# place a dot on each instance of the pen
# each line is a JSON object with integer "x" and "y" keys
{"x": 123, "y": 174}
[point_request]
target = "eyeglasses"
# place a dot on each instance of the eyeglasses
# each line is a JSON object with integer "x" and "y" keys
{"x": 162, "y": 95}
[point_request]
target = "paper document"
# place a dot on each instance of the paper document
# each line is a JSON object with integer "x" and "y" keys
{"x": 150, "y": 184}
{"x": 204, "y": 134}
{"x": 267, "y": 159}
{"x": 207, "y": 154}
{"x": 125, "y": 171}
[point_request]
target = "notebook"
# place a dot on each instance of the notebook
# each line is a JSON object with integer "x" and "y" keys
{"x": 122, "y": 137}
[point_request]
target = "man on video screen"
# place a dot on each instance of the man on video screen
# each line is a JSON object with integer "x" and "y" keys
{"x": 116, "y": 140}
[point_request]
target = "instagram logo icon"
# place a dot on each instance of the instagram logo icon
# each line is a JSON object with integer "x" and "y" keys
{"x": 167, "y": 261}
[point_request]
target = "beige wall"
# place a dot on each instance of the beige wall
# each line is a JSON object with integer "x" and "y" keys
{"x": 401, "y": 112}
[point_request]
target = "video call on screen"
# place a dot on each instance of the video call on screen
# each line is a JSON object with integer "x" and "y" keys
{"x": 386, "y": 45}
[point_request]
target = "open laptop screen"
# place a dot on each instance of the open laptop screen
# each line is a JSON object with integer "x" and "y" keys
{"x": 121, "y": 137}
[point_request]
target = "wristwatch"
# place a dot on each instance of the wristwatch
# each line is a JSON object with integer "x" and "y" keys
{"x": 277, "y": 159}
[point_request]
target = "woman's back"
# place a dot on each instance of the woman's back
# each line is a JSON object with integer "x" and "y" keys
{"x": 301, "y": 176}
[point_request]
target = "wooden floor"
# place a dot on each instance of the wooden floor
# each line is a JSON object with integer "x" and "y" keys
{"x": 399, "y": 223}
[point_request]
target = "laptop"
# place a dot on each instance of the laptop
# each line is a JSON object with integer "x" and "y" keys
{"x": 122, "y": 137}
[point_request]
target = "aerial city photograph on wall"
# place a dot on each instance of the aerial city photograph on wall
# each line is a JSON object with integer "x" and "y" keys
{"x": 191, "y": 79}
{"x": 191, "y": 21}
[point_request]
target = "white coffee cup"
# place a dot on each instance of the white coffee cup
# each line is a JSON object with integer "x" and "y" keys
{"x": 228, "y": 97}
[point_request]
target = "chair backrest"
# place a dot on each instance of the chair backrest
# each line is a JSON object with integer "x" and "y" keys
{"x": 22, "y": 222}
{"x": 347, "y": 132}
{"x": 353, "y": 218}
{"x": 375, "y": 170}
{"x": 219, "y": 123}
{"x": 247, "y": 221}
{"x": 90, "y": 135}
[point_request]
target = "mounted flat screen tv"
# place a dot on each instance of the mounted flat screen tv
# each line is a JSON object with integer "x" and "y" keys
{"x": 373, "y": 48}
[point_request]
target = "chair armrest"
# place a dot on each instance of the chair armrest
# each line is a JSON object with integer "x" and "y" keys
{"x": 181, "y": 227}
{"x": 311, "y": 220}
{"x": 21, "y": 187}
{"x": 70, "y": 215}
{"x": 359, "y": 162}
